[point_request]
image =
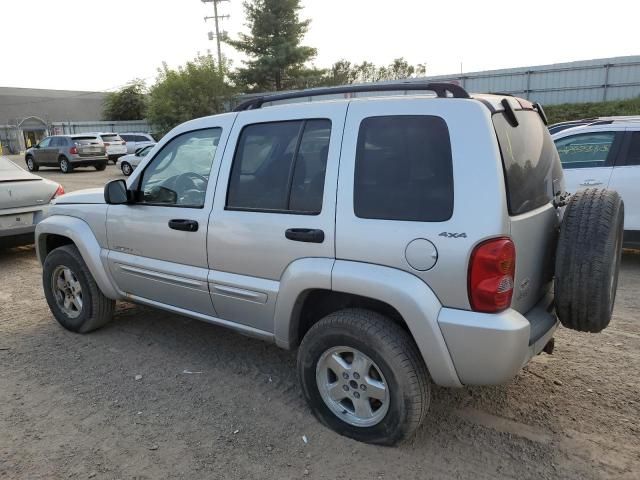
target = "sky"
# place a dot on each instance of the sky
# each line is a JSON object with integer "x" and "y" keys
{"x": 100, "y": 46}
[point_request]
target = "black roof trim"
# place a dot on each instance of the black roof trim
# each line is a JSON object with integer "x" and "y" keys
{"x": 440, "y": 89}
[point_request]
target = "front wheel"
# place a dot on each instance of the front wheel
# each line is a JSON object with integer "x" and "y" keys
{"x": 364, "y": 377}
{"x": 65, "y": 165}
{"x": 100, "y": 166}
{"x": 126, "y": 168}
{"x": 71, "y": 292}
{"x": 32, "y": 166}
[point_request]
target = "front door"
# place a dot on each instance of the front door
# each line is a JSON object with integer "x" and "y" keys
{"x": 157, "y": 245}
{"x": 274, "y": 204}
{"x": 43, "y": 151}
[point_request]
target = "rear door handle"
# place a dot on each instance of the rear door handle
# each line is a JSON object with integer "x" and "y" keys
{"x": 184, "y": 225}
{"x": 310, "y": 235}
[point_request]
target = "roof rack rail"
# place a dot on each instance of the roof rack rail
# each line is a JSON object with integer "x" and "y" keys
{"x": 440, "y": 89}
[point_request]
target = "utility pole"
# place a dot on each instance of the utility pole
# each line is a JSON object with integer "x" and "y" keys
{"x": 216, "y": 18}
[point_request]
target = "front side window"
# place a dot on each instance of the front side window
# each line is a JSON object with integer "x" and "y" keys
{"x": 45, "y": 143}
{"x": 587, "y": 150}
{"x": 280, "y": 167}
{"x": 179, "y": 174}
{"x": 403, "y": 169}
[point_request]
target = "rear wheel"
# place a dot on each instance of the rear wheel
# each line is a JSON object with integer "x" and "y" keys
{"x": 588, "y": 259}
{"x": 72, "y": 294}
{"x": 32, "y": 166}
{"x": 364, "y": 377}
{"x": 126, "y": 168}
{"x": 100, "y": 166}
{"x": 65, "y": 165}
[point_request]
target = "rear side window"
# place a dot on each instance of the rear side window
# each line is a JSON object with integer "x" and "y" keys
{"x": 85, "y": 140}
{"x": 586, "y": 150}
{"x": 530, "y": 159}
{"x": 633, "y": 155}
{"x": 403, "y": 169}
{"x": 280, "y": 167}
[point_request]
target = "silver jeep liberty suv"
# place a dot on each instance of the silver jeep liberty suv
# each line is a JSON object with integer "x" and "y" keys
{"x": 395, "y": 240}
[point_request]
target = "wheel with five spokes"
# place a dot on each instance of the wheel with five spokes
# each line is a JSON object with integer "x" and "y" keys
{"x": 364, "y": 377}
{"x": 72, "y": 293}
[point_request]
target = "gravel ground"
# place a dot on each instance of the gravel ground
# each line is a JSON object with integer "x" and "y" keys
{"x": 155, "y": 395}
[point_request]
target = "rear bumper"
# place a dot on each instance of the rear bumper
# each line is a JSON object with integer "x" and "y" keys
{"x": 87, "y": 161}
{"x": 22, "y": 234}
{"x": 489, "y": 349}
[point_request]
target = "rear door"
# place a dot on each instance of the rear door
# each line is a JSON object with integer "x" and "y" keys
{"x": 533, "y": 175}
{"x": 625, "y": 179}
{"x": 274, "y": 204}
{"x": 588, "y": 157}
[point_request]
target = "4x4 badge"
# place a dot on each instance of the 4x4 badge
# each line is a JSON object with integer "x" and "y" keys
{"x": 453, "y": 235}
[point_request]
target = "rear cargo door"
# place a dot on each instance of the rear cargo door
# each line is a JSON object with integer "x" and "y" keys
{"x": 532, "y": 175}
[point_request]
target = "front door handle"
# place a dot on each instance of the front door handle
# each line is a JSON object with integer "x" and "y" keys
{"x": 310, "y": 235}
{"x": 184, "y": 225}
{"x": 590, "y": 183}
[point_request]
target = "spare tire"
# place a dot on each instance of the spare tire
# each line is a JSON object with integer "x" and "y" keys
{"x": 588, "y": 259}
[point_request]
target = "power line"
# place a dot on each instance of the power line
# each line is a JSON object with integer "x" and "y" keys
{"x": 216, "y": 18}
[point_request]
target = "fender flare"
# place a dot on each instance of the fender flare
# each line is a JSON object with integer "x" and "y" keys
{"x": 410, "y": 296}
{"x": 79, "y": 232}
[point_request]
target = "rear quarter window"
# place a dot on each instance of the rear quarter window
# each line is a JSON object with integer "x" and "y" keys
{"x": 532, "y": 167}
{"x": 403, "y": 169}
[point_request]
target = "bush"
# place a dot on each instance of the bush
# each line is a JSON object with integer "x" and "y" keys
{"x": 576, "y": 111}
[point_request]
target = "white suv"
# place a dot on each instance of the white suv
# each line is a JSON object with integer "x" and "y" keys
{"x": 605, "y": 154}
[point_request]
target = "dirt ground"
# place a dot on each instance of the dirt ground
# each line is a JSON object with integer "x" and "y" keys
{"x": 212, "y": 404}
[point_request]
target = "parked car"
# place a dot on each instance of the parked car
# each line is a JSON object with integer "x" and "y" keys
{"x": 129, "y": 162}
{"x": 559, "y": 127}
{"x": 24, "y": 197}
{"x": 606, "y": 155}
{"x": 115, "y": 146}
{"x": 67, "y": 152}
{"x": 137, "y": 140}
{"x": 394, "y": 241}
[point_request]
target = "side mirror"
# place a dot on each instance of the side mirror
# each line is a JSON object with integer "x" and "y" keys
{"x": 116, "y": 193}
{"x": 37, "y": 145}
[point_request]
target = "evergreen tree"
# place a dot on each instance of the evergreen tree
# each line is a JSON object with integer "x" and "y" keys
{"x": 276, "y": 57}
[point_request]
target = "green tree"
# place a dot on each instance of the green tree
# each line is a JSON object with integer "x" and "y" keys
{"x": 128, "y": 103}
{"x": 344, "y": 72}
{"x": 276, "y": 57}
{"x": 196, "y": 89}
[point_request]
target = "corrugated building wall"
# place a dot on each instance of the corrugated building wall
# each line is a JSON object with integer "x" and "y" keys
{"x": 598, "y": 80}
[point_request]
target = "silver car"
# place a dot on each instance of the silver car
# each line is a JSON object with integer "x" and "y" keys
{"x": 24, "y": 197}
{"x": 395, "y": 242}
{"x": 129, "y": 162}
{"x": 67, "y": 152}
{"x": 137, "y": 140}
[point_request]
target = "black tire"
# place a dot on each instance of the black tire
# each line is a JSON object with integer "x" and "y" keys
{"x": 588, "y": 259}
{"x": 392, "y": 350}
{"x": 100, "y": 166}
{"x": 32, "y": 166}
{"x": 65, "y": 165}
{"x": 126, "y": 168}
{"x": 96, "y": 310}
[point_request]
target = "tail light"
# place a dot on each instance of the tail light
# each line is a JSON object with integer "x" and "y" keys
{"x": 59, "y": 191}
{"x": 491, "y": 275}
{"x": 73, "y": 150}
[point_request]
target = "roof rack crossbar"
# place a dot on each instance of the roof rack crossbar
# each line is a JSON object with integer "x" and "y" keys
{"x": 440, "y": 89}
